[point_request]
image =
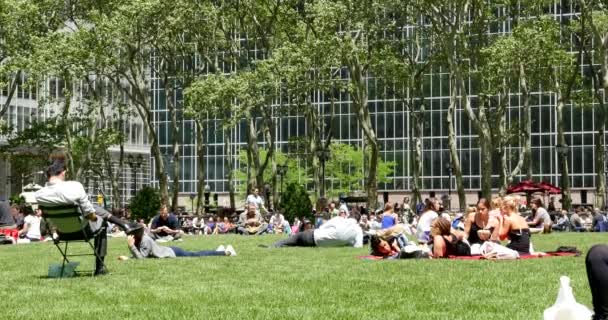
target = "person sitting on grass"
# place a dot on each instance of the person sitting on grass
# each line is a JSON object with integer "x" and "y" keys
{"x": 496, "y": 205}
{"x": 279, "y": 224}
{"x": 479, "y": 225}
{"x": 389, "y": 217}
{"x": 446, "y": 241}
{"x": 165, "y": 226}
{"x": 423, "y": 228}
{"x": 563, "y": 223}
{"x": 31, "y": 226}
{"x": 514, "y": 227}
{"x": 542, "y": 220}
{"x": 251, "y": 222}
{"x": 210, "y": 226}
{"x": 143, "y": 246}
{"x": 223, "y": 227}
{"x": 337, "y": 232}
{"x": 600, "y": 221}
{"x": 6, "y": 218}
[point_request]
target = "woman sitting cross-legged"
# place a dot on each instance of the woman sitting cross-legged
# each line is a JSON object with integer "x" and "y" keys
{"x": 514, "y": 227}
{"x": 446, "y": 241}
{"x": 142, "y": 246}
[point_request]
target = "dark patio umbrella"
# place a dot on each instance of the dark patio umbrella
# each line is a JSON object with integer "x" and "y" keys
{"x": 525, "y": 186}
{"x": 549, "y": 188}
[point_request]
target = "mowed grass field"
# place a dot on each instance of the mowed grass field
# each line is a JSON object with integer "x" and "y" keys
{"x": 289, "y": 283}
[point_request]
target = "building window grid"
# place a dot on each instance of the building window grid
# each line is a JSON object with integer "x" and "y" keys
{"x": 405, "y": 153}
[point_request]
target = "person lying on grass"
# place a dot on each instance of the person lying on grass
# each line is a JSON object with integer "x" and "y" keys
{"x": 142, "y": 246}
{"x": 480, "y": 226}
{"x": 446, "y": 241}
{"x": 388, "y": 242}
{"x": 337, "y": 232}
{"x": 513, "y": 226}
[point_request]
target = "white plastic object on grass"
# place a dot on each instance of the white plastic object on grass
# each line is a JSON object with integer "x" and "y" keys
{"x": 566, "y": 307}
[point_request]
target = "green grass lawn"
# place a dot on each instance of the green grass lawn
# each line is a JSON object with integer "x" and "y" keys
{"x": 289, "y": 283}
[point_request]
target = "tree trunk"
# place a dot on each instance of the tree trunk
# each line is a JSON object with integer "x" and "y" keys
{"x": 600, "y": 190}
{"x": 563, "y": 157}
{"x": 228, "y": 165}
{"x": 601, "y": 115}
{"x": 65, "y": 115}
{"x": 601, "y": 186}
{"x": 454, "y": 157}
{"x": 11, "y": 92}
{"x": 527, "y": 143}
{"x": 416, "y": 162}
{"x": 360, "y": 104}
{"x": 200, "y": 166}
{"x": 313, "y": 144}
{"x": 416, "y": 112}
{"x": 253, "y": 157}
{"x": 169, "y": 86}
{"x": 486, "y": 150}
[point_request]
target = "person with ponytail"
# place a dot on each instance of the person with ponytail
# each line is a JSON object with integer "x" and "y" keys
{"x": 513, "y": 226}
{"x": 58, "y": 192}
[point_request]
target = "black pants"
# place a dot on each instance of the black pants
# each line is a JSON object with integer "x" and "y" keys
{"x": 100, "y": 243}
{"x": 597, "y": 273}
{"x": 300, "y": 239}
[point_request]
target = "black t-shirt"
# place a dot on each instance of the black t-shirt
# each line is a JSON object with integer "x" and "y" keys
{"x": 6, "y": 218}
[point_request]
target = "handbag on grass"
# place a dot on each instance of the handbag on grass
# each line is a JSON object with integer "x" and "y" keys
{"x": 491, "y": 250}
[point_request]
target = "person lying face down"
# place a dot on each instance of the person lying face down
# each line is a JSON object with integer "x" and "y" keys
{"x": 337, "y": 232}
{"x": 142, "y": 246}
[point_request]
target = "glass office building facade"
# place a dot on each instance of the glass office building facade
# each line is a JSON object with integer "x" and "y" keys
{"x": 392, "y": 123}
{"x": 25, "y": 108}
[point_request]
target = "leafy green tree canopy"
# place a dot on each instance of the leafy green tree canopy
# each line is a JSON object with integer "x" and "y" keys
{"x": 146, "y": 203}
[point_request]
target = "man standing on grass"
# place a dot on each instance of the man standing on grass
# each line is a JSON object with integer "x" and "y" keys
{"x": 256, "y": 200}
{"x": 165, "y": 226}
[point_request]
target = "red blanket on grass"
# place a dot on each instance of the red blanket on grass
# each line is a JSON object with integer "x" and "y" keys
{"x": 527, "y": 256}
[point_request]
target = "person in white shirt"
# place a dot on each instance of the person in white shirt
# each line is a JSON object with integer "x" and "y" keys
{"x": 337, "y": 232}
{"x": 256, "y": 199}
{"x": 58, "y": 192}
{"x": 279, "y": 224}
{"x": 31, "y": 226}
{"x": 423, "y": 228}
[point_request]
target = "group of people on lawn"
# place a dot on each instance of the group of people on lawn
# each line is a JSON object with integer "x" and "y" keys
{"x": 493, "y": 221}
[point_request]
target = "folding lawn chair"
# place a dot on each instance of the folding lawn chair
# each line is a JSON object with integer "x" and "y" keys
{"x": 70, "y": 226}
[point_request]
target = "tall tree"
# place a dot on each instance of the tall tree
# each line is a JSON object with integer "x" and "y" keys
{"x": 595, "y": 43}
{"x": 450, "y": 36}
{"x": 354, "y": 28}
{"x": 406, "y": 57}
